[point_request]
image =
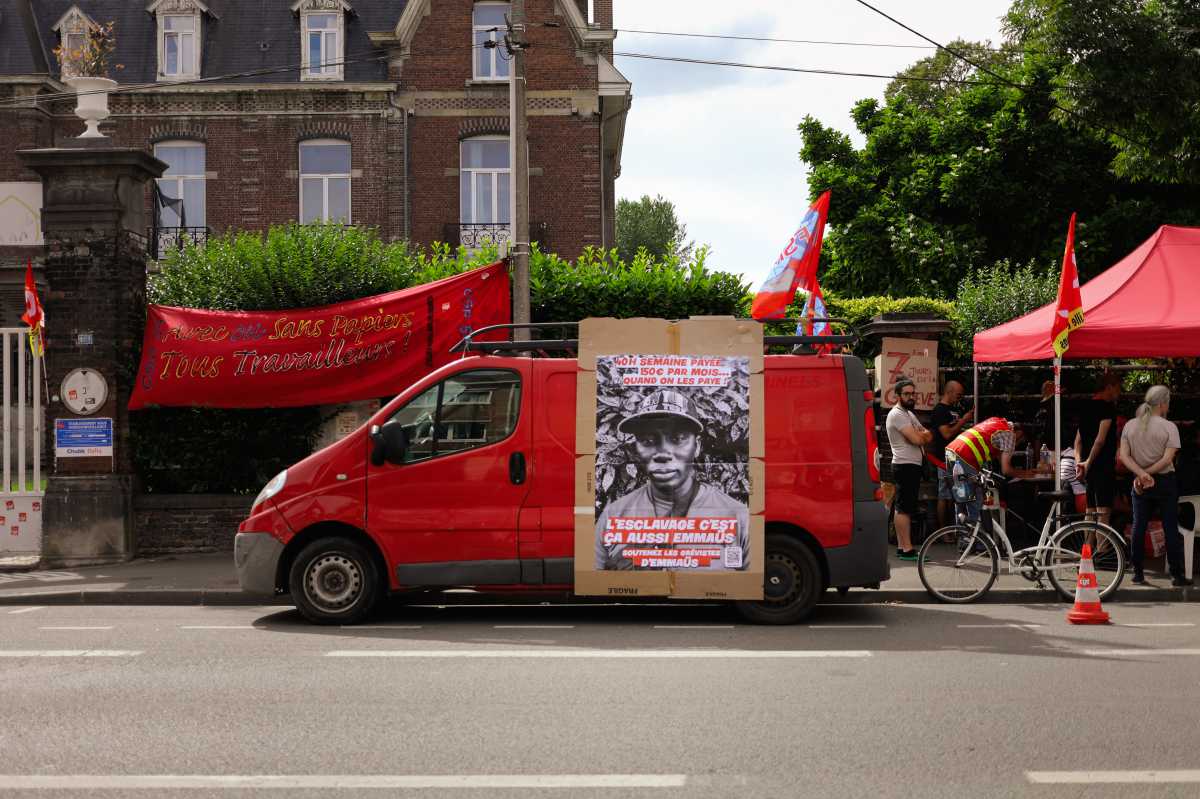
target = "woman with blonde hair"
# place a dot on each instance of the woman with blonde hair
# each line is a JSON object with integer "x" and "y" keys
{"x": 1148, "y": 447}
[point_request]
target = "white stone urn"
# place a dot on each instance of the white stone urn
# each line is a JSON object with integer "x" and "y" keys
{"x": 91, "y": 102}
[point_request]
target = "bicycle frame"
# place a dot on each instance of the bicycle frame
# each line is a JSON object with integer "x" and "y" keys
{"x": 1042, "y": 549}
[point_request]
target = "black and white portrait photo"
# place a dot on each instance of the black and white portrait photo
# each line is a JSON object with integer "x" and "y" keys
{"x": 672, "y": 463}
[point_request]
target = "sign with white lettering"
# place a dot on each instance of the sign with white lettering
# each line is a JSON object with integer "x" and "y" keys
{"x": 83, "y": 438}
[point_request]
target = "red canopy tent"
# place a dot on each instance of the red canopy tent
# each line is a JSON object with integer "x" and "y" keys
{"x": 1146, "y": 306}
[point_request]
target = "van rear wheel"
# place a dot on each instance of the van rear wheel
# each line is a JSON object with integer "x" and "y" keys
{"x": 791, "y": 584}
{"x": 335, "y": 581}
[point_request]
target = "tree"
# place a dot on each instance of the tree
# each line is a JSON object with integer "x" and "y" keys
{"x": 949, "y": 182}
{"x": 1131, "y": 70}
{"x": 652, "y": 224}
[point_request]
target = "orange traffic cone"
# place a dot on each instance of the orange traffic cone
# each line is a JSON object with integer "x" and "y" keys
{"x": 1087, "y": 608}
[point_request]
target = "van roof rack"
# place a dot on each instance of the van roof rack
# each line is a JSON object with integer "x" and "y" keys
{"x": 548, "y": 347}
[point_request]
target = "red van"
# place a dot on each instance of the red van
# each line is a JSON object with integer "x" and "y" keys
{"x": 478, "y": 491}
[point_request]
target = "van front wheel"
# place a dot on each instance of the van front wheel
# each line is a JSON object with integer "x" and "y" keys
{"x": 791, "y": 584}
{"x": 334, "y": 581}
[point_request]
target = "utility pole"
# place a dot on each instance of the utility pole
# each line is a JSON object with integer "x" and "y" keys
{"x": 515, "y": 42}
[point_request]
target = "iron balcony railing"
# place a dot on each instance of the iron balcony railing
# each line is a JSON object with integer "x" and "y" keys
{"x": 474, "y": 235}
{"x": 164, "y": 239}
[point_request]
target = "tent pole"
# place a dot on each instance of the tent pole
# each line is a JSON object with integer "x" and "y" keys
{"x": 1057, "y": 423}
{"x": 975, "y": 396}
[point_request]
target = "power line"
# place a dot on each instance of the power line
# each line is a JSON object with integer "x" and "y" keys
{"x": 803, "y": 70}
{"x": 771, "y": 39}
{"x": 138, "y": 87}
{"x": 1007, "y": 81}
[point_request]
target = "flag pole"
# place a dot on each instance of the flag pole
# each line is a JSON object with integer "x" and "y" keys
{"x": 1057, "y": 422}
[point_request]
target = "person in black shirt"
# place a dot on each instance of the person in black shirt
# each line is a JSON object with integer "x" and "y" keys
{"x": 946, "y": 423}
{"x": 1096, "y": 446}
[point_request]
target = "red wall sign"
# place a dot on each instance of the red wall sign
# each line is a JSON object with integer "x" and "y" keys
{"x": 372, "y": 347}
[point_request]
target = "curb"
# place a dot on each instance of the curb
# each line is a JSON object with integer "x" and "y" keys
{"x": 1020, "y": 596}
{"x": 234, "y": 597}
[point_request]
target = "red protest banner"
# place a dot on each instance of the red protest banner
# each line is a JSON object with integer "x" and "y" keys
{"x": 371, "y": 347}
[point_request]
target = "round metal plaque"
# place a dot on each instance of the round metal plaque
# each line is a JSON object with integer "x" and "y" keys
{"x": 84, "y": 391}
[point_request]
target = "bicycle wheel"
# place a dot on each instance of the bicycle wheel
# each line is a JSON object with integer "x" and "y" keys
{"x": 958, "y": 564}
{"x": 1108, "y": 556}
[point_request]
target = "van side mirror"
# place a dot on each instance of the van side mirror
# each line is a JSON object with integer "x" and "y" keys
{"x": 390, "y": 443}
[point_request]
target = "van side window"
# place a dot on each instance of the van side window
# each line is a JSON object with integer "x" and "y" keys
{"x": 471, "y": 409}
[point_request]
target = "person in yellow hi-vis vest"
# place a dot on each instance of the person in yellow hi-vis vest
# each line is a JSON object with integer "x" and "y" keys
{"x": 993, "y": 439}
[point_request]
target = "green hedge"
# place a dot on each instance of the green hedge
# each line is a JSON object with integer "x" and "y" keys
{"x": 295, "y": 266}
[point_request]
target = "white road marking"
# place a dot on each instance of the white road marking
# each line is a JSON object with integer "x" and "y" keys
{"x": 216, "y": 626}
{"x": 702, "y": 654}
{"x": 847, "y": 626}
{"x": 996, "y": 626}
{"x": 161, "y": 782}
{"x": 533, "y": 627}
{"x": 68, "y": 653}
{"x": 1141, "y": 652}
{"x": 381, "y": 627}
{"x": 693, "y": 626}
{"x": 1161, "y": 624}
{"x": 1112, "y": 777}
{"x": 75, "y": 628}
{"x": 26, "y": 610}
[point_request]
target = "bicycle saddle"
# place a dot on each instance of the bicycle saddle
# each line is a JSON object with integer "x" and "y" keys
{"x": 1056, "y": 496}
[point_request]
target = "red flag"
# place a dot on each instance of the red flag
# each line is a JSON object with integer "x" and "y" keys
{"x": 1068, "y": 311}
{"x": 33, "y": 316}
{"x": 796, "y": 266}
{"x": 814, "y": 309}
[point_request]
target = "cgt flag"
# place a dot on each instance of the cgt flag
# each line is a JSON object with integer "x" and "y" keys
{"x": 34, "y": 316}
{"x": 1068, "y": 312}
{"x": 814, "y": 309}
{"x": 796, "y": 266}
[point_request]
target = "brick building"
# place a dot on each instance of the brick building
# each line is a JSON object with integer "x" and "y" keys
{"x": 388, "y": 113}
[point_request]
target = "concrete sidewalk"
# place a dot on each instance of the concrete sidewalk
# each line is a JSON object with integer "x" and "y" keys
{"x": 210, "y": 579}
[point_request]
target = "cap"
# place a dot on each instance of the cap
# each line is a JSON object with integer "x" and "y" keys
{"x": 662, "y": 405}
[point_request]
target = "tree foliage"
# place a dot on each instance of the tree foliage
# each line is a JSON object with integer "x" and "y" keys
{"x": 653, "y": 225}
{"x": 1130, "y": 69}
{"x": 1003, "y": 292}
{"x": 949, "y": 182}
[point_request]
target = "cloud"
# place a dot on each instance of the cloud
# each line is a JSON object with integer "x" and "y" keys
{"x": 721, "y": 143}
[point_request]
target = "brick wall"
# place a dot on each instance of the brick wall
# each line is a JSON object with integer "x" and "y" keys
{"x": 165, "y": 523}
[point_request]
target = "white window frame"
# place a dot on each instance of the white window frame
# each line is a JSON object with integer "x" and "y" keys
{"x": 495, "y": 173}
{"x": 327, "y": 71}
{"x": 186, "y": 71}
{"x": 179, "y": 179}
{"x": 494, "y": 55}
{"x": 325, "y": 182}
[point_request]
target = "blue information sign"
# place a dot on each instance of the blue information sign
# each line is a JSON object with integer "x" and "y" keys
{"x": 83, "y": 438}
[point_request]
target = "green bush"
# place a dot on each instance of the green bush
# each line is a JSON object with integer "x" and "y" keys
{"x": 1003, "y": 292}
{"x": 298, "y": 266}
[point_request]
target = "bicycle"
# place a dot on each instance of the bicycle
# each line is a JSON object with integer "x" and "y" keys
{"x": 959, "y": 563}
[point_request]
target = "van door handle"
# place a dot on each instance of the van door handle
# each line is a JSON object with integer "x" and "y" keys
{"x": 516, "y": 468}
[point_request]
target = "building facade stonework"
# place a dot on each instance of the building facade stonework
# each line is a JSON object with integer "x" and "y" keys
{"x": 386, "y": 113}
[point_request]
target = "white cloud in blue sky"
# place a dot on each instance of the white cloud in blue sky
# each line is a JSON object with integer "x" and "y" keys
{"x": 721, "y": 143}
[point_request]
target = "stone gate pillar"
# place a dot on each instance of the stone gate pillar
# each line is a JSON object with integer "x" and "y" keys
{"x": 93, "y": 218}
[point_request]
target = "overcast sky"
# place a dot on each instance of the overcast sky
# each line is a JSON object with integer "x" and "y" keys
{"x": 720, "y": 142}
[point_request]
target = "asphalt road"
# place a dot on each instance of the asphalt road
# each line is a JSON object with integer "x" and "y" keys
{"x": 881, "y": 701}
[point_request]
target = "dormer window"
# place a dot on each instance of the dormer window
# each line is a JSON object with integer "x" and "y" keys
{"x": 179, "y": 37}
{"x": 73, "y": 28}
{"x": 179, "y": 46}
{"x": 322, "y": 38}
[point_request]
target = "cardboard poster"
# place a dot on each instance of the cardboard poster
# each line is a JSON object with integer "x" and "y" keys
{"x": 669, "y": 500}
{"x": 914, "y": 358}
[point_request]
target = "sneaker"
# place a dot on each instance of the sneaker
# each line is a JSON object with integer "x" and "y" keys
{"x": 912, "y": 555}
{"x": 1181, "y": 582}
{"x": 1138, "y": 578}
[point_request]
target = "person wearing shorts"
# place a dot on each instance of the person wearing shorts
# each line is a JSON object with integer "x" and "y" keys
{"x": 907, "y": 436}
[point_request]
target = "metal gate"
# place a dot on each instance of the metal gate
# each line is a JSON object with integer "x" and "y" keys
{"x": 22, "y": 490}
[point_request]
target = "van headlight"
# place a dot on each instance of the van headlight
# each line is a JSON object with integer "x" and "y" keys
{"x": 273, "y": 487}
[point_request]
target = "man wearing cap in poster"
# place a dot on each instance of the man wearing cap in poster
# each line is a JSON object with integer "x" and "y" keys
{"x": 666, "y": 443}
